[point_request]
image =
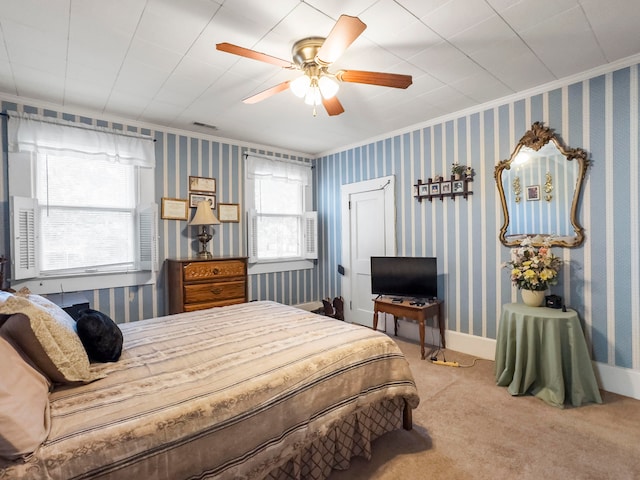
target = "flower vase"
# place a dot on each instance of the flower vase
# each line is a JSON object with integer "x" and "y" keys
{"x": 533, "y": 298}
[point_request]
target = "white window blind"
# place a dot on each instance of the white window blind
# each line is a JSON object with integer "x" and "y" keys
{"x": 28, "y": 133}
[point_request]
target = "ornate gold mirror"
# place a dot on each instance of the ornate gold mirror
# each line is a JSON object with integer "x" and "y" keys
{"x": 540, "y": 187}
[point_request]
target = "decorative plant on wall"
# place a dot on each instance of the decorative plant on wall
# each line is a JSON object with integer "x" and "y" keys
{"x": 457, "y": 170}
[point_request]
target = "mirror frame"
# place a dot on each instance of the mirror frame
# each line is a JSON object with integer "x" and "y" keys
{"x": 535, "y": 139}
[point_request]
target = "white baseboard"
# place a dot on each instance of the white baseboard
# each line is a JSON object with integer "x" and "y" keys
{"x": 471, "y": 345}
{"x": 623, "y": 381}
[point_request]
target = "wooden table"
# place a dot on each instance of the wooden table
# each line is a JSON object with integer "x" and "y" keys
{"x": 405, "y": 309}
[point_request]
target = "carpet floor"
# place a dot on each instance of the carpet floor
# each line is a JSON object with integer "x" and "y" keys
{"x": 466, "y": 427}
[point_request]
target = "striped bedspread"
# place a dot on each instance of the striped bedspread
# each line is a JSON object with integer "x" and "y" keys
{"x": 233, "y": 392}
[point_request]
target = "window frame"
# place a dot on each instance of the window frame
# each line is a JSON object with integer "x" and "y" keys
{"x": 22, "y": 181}
{"x": 308, "y": 218}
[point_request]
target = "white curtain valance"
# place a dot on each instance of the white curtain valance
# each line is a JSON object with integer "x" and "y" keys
{"x": 263, "y": 167}
{"x": 28, "y": 134}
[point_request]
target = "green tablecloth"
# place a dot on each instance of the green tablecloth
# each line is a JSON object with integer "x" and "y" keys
{"x": 542, "y": 351}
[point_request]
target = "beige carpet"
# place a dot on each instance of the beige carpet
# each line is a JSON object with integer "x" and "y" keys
{"x": 466, "y": 427}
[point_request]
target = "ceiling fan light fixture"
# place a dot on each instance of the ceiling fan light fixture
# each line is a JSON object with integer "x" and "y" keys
{"x": 328, "y": 87}
{"x": 313, "y": 57}
{"x": 313, "y": 96}
{"x": 300, "y": 86}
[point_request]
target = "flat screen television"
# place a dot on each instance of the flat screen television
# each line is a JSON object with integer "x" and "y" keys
{"x": 415, "y": 277}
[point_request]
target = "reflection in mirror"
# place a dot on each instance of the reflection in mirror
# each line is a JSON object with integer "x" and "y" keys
{"x": 539, "y": 187}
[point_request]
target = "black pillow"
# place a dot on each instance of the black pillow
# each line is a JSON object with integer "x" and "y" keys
{"x": 100, "y": 336}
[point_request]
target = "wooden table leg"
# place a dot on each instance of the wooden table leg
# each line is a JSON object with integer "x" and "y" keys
{"x": 421, "y": 328}
{"x": 375, "y": 320}
{"x": 395, "y": 326}
{"x": 441, "y": 325}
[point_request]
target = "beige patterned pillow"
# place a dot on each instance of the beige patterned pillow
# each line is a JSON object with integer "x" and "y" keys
{"x": 47, "y": 334}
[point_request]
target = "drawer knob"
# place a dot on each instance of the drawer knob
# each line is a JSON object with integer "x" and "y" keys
{"x": 216, "y": 291}
{"x": 216, "y": 271}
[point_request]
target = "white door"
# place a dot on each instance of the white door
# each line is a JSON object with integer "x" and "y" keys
{"x": 368, "y": 230}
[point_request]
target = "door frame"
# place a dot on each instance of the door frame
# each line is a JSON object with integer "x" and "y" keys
{"x": 388, "y": 185}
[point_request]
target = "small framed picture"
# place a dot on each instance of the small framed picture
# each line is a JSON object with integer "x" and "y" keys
{"x": 434, "y": 189}
{"x": 445, "y": 188}
{"x": 458, "y": 186}
{"x": 202, "y": 184}
{"x": 174, "y": 209}
{"x": 423, "y": 189}
{"x": 533, "y": 192}
{"x": 229, "y": 212}
{"x": 196, "y": 198}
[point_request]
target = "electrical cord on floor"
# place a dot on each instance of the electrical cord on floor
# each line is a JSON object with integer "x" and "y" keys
{"x": 434, "y": 359}
{"x": 471, "y": 365}
{"x": 434, "y": 355}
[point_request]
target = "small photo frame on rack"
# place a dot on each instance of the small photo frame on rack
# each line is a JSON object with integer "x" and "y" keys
{"x": 202, "y": 184}
{"x": 434, "y": 189}
{"x": 533, "y": 192}
{"x": 229, "y": 212}
{"x": 457, "y": 186}
{"x": 195, "y": 198}
{"x": 174, "y": 209}
{"x": 445, "y": 188}
{"x": 423, "y": 189}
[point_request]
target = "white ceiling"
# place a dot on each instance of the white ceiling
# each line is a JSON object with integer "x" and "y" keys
{"x": 155, "y": 60}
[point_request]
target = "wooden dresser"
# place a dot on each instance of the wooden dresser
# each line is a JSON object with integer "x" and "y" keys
{"x": 195, "y": 284}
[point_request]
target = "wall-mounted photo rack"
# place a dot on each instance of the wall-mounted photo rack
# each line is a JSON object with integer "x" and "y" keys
{"x": 441, "y": 188}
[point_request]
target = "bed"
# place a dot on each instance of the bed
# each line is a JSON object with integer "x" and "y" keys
{"x": 250, "y": 391}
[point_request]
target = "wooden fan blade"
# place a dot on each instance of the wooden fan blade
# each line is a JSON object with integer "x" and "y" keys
{"x": 343, "y": 34}
{"x": 333, "y": 106}
{"x": 394, "y": 80}
{"x": 252, "y": 54}
{"x": 258, "y": 97}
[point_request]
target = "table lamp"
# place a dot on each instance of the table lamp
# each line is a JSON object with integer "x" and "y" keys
{"x": 204, "y": 216}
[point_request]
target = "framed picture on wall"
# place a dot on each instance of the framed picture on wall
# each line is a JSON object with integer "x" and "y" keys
{"x": 229, "y": 212}
{"x": 423, "y": 189}
{"x": 445, "y": 188}
{"x": 434, "y": 189}
{"x": 533, "y": 192}
{"x": 202, "y": 184}
{"x": 458, "y": 186}
{"x": 174, "y": 209}
{"x": 195, "y": 198}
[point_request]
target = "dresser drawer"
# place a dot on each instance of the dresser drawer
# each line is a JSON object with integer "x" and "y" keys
{"x": 213, "y": 292}
{"x": 192, "y": 307}
{"x": 213, "y": 270}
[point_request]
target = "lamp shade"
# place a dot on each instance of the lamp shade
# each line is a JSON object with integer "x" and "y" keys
{"x": 204, "y": 215}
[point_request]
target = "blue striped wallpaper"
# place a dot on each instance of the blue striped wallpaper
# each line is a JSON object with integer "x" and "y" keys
{"x": 600, "y": 279}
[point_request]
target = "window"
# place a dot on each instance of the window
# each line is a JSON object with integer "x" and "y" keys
{"x": 282, "y": 232}
{"x": 81, "y": 218}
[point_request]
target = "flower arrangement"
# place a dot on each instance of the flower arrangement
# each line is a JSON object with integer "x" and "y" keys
{"x": 534, "y": 268}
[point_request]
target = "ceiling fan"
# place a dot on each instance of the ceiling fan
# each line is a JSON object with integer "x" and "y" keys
{"x": 313, "y": 57}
